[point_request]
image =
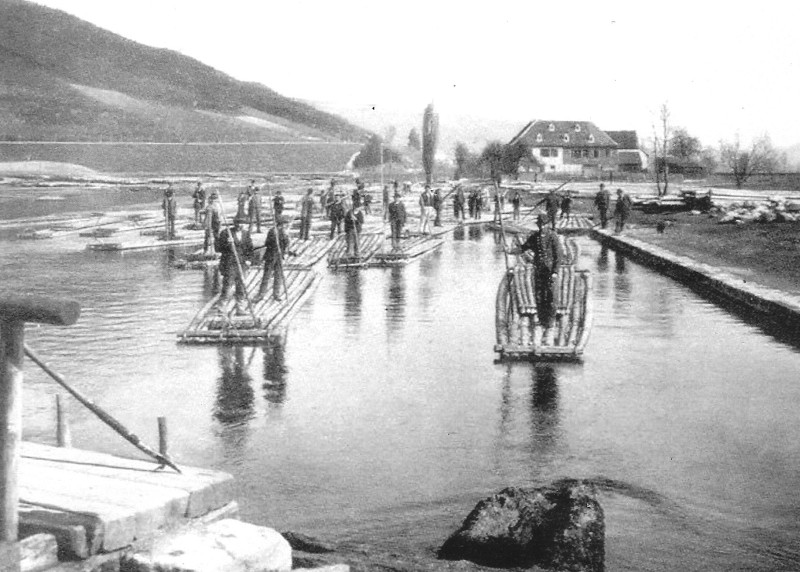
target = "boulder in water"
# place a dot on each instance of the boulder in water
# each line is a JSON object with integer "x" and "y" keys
{"x": 558, "y": 527}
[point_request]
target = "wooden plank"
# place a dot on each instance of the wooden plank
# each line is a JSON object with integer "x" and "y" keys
{"x": 38, "y": 552}
{"x": 77, "y": 535}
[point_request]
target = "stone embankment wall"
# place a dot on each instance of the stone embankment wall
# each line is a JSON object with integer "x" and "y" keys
{"x": 777, "y": 307}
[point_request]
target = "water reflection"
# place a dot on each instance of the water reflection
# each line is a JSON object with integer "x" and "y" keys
{"x": 622, "y": 281}
{"x": 458, "y": 233}
{"x": 545, "y": 417}
{"x": 602, "y": 258}
{"x": 275, "y": 371}
{"x": 352, "y": 300}
{"x": 210, "y": 282}
{"x": 395, "y": 301}
{"x": 235, "y": 396}
{"x": 476, "y": 232}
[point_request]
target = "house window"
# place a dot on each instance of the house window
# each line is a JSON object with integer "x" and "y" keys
{"x": 576, "y": 153}
{"x": 591, "y": 137}
{"x": 608, "y": 152}
{"x": 545, "y": 152}
{"x": 596, "y": 153}
{"x": 538, "y": 137}
{"x": 554, "y": 152}
{"x": 565, "y": 137}
{"x": 577, "y": 128}
{"x": 585, "y": 153}
{"x": 551, "y": 127}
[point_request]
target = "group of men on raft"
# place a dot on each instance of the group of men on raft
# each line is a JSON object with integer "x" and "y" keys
{"x": 235, "y": 245}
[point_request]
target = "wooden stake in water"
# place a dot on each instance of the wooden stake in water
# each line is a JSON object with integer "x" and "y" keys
{"x": 162, "y": 436}
{"x": 63, "y": 434}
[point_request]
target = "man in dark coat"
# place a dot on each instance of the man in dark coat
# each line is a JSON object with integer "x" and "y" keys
{"x": 566, "y": 205}
{"x": 602, "y": 200}
{"x": 516, "y": 200}
{"x": 275, "y": 249}
{"x": 199, "y": 196}
{"x": 622, "y": 210}
{"x": 458, "y": 203}
{"x": 277, "y": 204}
{"x": 170, "y": 208}
{"x": 234, "y": 247}
{"x": 254, "y": 209}
{"x": 213, "y": 223}
{"x": 546, "y": 257}
{"x": 337, "y": 216}
{"x": 397, "y": 219}
{"x": 386, "y": 201}
{"x": 552, "y": 203}
{"x": 437, "y": 207}
{"x": 352, "y": 230}
{"x": 306, "y": 214}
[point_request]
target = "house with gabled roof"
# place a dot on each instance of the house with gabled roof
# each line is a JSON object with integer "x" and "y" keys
{"x": 630, "y": 158}
{"x": 578, "y": 147}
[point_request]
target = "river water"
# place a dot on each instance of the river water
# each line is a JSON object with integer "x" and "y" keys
{"x": 382, "y": 416}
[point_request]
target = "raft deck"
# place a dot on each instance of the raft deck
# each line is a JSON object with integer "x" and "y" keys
{"x": 520, "y": 335}
{"x": 219, "y": 322}
{"x": 369, "y": 244}
{"x": 408, "y": 250}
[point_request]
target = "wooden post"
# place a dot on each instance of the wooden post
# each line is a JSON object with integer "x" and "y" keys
{"x": 162, "y": 436}
{"x": 15, "y": 311}
{"x": 63, "y": 434}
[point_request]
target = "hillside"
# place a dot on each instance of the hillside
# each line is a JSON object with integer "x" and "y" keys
{"x": 64, "y": 79}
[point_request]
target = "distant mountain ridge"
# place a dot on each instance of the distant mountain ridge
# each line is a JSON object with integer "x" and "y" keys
{"x": 62, "y": 78}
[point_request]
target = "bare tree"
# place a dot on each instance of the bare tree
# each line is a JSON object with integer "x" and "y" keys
{"x": 761, "y": 157}
{"x": 413, "y": 139}
{"x": 430, "y": 138}
{"x": 665, "y": 130}
{"x": 656, "y": 168}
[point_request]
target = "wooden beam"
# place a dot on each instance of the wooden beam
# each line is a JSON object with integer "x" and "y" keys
{"x": 11, "y": 356}
{"x": 39, "y": 309}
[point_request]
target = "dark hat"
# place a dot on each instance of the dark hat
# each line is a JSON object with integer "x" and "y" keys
{"x": 619, "y": 191}
{"x": 397, "y": 195}
{"x": 541, "y": 220}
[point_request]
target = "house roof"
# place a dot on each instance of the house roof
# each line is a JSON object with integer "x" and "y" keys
{"x": 563, "y": 134}
{"x": 629, "y": 157}
{"x": 625, "y": 139}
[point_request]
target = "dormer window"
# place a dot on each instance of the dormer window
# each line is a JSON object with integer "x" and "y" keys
{"x": 577, "y": 128}
{"x": 591, "y": 137}
{"x": 551, "y": 127}
{"x": 565, "y": 138}
{"x": 539, "y": 138}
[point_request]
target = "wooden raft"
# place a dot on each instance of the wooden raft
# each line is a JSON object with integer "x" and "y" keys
{"x": 219, "y": 323}
{"x": 93, "y": 502}
{"x": 409, "y": 249}
{"x": 369, "y": 244}
{"x": 307, "y": 252}
{"x": 519, "y": 333}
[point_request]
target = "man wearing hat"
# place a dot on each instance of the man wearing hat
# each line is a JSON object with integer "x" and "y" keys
{"x": 213, "y": 223}
{"x": 306, "y": 214}
{"x": 602, "y": 200}
{"x": 275, "y": 248}
{"x": 170, "y": 207}
{"x": 425, "y": 208}
{"x": 253, "y": 208}
{"x": 336, "y": 216}
{"x": 458, "y": 203}
{"x": 397, "y": 219}
{"x": 199, "y": 196}
{"x": 234, "y": 246}
{"x": 546, "y": 249}
{"x": 622, "y": 210}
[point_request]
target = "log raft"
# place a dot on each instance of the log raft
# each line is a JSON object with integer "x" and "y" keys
{"x": 409, "y": 249}
{"x": 219, "y": 322}
{"x": 369, "y": 245}
{"x": 519, "y": 332}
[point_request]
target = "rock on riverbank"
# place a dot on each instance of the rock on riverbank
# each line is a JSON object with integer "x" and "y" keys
{"x": 558, "y": 527}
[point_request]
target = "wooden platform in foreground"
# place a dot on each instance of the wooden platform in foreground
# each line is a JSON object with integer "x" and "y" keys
{"x": 219, "y": 322}
{"x": 577, "y": 224}
{"x": 369, "y": 244}
{"x": 93, "y": 502}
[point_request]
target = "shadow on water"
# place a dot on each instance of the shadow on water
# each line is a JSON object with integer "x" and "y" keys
{"x": 545, "y": 417}
{"x": 275, "y": 371}
{"x": 352, "y": 300}
{"x": 395, "y": 301}
{"x": 476, "y": 232}
{"x": 622, "y": 281}
{"x": 458, "y": 233}
{"x": 235, "y": 396}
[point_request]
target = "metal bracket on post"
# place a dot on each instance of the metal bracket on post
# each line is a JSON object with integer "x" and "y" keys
{"x": 15, "y": 312}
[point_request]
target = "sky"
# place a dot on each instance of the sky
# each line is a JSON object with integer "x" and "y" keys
{"x": 722, "y": 68}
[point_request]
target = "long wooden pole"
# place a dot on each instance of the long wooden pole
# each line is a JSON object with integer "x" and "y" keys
{"x": 97, "y": 410}
{"x": 530, "y": 211}
{"x": 12, "y": 340}
{"x": 278, "y": 243}
{"x": 239, "y": 266}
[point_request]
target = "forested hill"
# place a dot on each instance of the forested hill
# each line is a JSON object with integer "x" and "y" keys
{"x": 62, "y": 78}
